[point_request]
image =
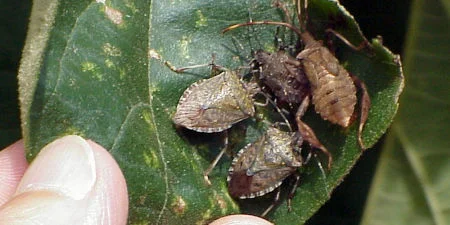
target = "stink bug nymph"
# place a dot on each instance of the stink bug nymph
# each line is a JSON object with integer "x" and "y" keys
{"x": 278, "y": 72}
{"x": 332, "y": 87}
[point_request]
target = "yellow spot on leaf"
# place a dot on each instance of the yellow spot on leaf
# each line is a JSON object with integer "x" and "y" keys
{"x": 111, "y": 50}
{"x": 92, "y": 68}
{"x": 142, "y": 199}
{"x": 184, "y": 46}
{"x": 152, "y": 159}
{"x": 152, "y": 88}
{"x": 87, "y": 66}
{"x": 109, "y": 63}
{"x": 73, "y": 130}
{"x": 201, "y": 20}
{"x": 122, "y": 73}
{"x": 154, "y": 54}
{"x": 132, "y": 6}
{"x": 114, "y": 15}
{"x": 269, "y": 48}
{"x": 221, "y": 203}
{"x": 147, "y": 117}
{"x": 206, "y": 216}
{"x": 179, "y": 206}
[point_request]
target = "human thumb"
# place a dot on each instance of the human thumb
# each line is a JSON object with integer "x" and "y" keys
{"x": 71, "y": 181}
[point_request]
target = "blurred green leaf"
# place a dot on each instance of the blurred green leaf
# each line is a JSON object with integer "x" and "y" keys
{"x": 412, "y": 182}
{"x": 90, "y": 69}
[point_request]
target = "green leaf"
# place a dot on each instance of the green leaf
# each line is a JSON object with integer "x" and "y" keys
{"x": 413, "y": 180}
{"x": 92, "y": 69}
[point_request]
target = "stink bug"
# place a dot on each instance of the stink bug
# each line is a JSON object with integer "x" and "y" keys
{"x": 278, "y": 72}
{"x": 215, "y": 104}
{"x": 332, "y": 87}
{"x": 261, "y": 166}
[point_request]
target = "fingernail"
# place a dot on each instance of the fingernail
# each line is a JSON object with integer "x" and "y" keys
{"x": 241, "y": 220}
{"x": 66, "y": 166}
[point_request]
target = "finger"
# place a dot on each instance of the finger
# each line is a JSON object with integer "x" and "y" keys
{"x": 71, "y": 181}
{"x": 12, "y": 168}
{"x": 241, "y": 220}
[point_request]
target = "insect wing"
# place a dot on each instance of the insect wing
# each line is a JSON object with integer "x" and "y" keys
{"x": 275, "y": 151}
{"x": 242, "y": 186}
{"x": 261, "y": 166}
{"x": 214, "y": 104}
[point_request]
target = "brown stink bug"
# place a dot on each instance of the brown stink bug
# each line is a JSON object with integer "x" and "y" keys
{"x": 332, "y": 87}
{"x": 215, "y": 104}
{"x": 261, "y": 166}
{"x": 289, "y": 84}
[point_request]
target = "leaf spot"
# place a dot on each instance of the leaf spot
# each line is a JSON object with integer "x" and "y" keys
{"x": 93, "y": 69}
{"x": 154, "y": 54}
{"x": 142, "y": 199}
{"x": 185, "y": 41}
{"x": 152, "y": 160}
{"x": 179, "y": 205}
{"x": 220, "y": 202}
{"x": 206, "y": 216}
{"x": 109, "y": 63}
{"x": 114, "y": 15}
{"x": 201, "y": 20}
{"x": 111, "y": 50}
{"x": 147, "y": 117}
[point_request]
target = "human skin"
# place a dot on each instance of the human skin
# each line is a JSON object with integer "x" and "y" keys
{"x": 71, "y": 181}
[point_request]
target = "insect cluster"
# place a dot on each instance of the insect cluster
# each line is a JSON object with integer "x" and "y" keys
{"x": 313, "y": 76}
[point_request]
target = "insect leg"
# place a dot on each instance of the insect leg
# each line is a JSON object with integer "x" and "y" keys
{"x": 308, "y": 134}
{"x": 216, "y": 160}
{"x": 363, "y": 44}
{"x": 155, "y": 55}
{"x": 278, "y": 110}
{"x": 274, "y": 203}
{"x": 365, "y": 106}
{"x": 293, "y": 189}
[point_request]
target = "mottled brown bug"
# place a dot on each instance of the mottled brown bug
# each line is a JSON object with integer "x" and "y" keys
{"x": 215, "y": 104}
{"x": 261, "y": 166}
{"x": 332, "y": 87}
{"x": 287, "y": 81}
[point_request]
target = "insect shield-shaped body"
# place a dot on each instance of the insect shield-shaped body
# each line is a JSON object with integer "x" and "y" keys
{"x": 279, "y": 72}
{"x": 215, "y": 104}
{"x": 261, "y": 166}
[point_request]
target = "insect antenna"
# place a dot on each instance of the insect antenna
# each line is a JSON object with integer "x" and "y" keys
{"x": 361, "y": 46}
{"x": 216, "y": 160}
{"x": 322, "y": 171}
{"x": 276, "y": 108}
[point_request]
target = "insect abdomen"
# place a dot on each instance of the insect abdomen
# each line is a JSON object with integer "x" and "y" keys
{"x": 333, "y": 90}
